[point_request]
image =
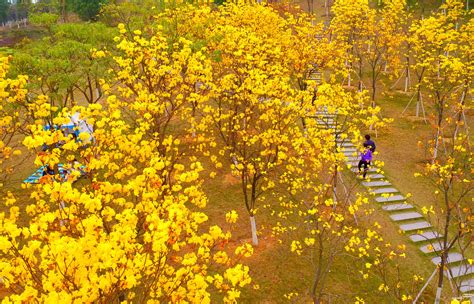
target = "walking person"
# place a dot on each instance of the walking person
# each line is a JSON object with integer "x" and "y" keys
{"x": 365, "y": 159}
{"x": 370, "y": 143}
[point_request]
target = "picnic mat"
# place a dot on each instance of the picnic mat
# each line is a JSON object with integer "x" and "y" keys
{"x": 38, "y": 174}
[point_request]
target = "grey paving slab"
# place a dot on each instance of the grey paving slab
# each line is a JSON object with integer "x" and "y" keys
{"x": 352, "y": 159}
{"x": 453, "y": 257}
{"x": 352, "y": 150}
{"x": 376, "y": 184}
{"x": 460, "y": 270}
{"x": 392, "y": 198}
{"x": 325, "y": 123}
{"x": 346, "y": 144}
{"x": 467, "y": 285}
{"x": 415, "y": 226}
{"x": 371, "y": 169}
{"x": 425, "y": 236}
{"x": 350, "y": 153}
{"x": 322, "y": 113}
{"x": 384, "y": 190}
{"x": 431, "y": 248}
{"x": 397, "y": 207}
{"x": 405, "y": 216}
{"x": 375, "y": 176}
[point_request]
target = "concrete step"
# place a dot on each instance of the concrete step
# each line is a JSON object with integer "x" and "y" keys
{"x": 375, "y": 176}
{"x": 376, "y": 184}
{"x": 467, "y": 285}
{"x": 397, "y": 207}
{"x": 371, "y": 169}
{"x": 393, "y": 198}
{"x": 325, "y": 122}
{"x": 347, "y": 144}
{"x": 415, "y": 226}
{"x": 351, "y": 150}
{"x": 461, "y": 270}
{"x": 351, "y": 153}
{"x": 384, "y": 190}
{"x": 425, "y": 236}
{"x": 405, "y": 216}
{"x": 352, "y": 159}
{"x": 453, "y": 257}
{"x": 432, "y": 248}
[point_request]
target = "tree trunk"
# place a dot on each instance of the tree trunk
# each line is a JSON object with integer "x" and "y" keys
{"x": 438, "y": 129}
{"x": 374, "y": 86}
{"x": 444, "y": 254}
{"x": 407, "y": 74}
{"x": 253, "y": 226}
{"x": 461, "y": 112}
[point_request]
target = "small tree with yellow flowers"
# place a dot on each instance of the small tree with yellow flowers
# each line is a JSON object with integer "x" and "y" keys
{"x": 133, "y": 230}
{"x": 452, "y": 176}
{"x": 12, "y": 124}
{"x": 443, "y": 54}
{"x": 253, "y": 110}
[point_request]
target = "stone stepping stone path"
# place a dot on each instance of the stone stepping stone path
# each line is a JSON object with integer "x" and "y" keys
{"x": 461, "y": 270}
{"x": 346, "y": 144}
{"x": 384, "y": 190}
{"x": 410, "y": 221}
{"x": 350, "y": 154}
{"x": 397, "y": 207}
{"x": 353, "y": 159}
{"x": 376, "y": 184}
{"x": 467, "y": 285}
{"x": 425, "y": 236}
{"x": 375, "y": 176}
{"x": 431, "y": 248}
{"x": 415, "y": 226}
{"x": 453, "y": 257}
{"x": 405, "y": 216}
{"x": 349, "y": 150}
{"x": 371, "y": 169}
{"x": 393, "y": 198}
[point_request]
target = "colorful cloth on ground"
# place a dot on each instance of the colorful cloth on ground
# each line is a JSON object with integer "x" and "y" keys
{"x": 35, "y": 177}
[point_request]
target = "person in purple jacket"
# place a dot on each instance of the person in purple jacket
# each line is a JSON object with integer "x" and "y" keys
{"x": 370, "y": 143}
{"x": 365, "y": 159}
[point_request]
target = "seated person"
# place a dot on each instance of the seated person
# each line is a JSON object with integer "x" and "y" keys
{"x": 49, "y": 170}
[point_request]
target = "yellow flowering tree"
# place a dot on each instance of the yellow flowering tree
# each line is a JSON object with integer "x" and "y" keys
{"x": 160, "y": 81}
{"x": 452, "y": 176}
{"x": 253, "y": 109}
{"x": 444, "y": 57}
{"x": 131, "y": 230}
{"x": 12, "y": 112}
{"x": 326, "y": 224}
{"x": 349, "y": 27}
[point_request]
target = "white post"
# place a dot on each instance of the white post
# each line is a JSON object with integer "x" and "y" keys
{"x": 438, "y": 295}
{"x": 253, "y": 225}
{"x": 418, "y": 108}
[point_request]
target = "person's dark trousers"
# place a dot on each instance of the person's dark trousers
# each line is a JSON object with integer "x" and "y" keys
{"x": 366, "y": 166}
